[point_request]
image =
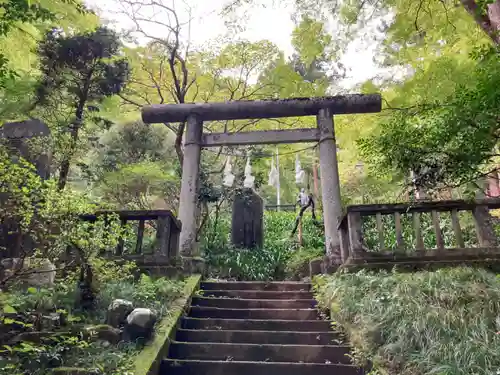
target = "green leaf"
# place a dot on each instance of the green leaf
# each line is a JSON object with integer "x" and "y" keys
{"x": 8, "y": 321}
{"x": 32, "y": 290}
{"x": 7, "y": 309}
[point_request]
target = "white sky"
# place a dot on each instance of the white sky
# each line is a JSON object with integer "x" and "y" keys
{"x": 271, "y": 22}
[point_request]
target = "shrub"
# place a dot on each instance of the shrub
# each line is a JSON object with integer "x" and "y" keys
{"x": 444, "y": 322}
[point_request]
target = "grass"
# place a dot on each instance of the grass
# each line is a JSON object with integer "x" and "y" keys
{"x": 444, "y": 322}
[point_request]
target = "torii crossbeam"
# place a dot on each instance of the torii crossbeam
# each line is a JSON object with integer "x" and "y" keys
{"x": 324, "y": 108}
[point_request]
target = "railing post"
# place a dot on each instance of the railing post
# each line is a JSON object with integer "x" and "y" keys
{"x": 140, "y": 236}
{"x": 121, "y": 241}
{"x": 344, "y": 239}
{"x": 163, "y": 234}
{"x": 354, "y": 223}
{"x": 484, "y": 228}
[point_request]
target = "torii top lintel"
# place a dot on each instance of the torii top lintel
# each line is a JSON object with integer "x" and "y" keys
{"x": 257, "y": 109}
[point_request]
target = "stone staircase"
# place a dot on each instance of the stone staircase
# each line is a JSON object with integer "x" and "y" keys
{"x": 254, "y": 328}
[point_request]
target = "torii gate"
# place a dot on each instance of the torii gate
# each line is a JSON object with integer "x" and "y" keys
{"x": 323, "y": 108}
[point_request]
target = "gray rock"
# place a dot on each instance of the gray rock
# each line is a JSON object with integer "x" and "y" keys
{"x": 41, "y": 272}
{"x": 52, "y": 321}
{"x": 118, "y": 311}
{"x": 140, "y": 324}
{"x": 103, "y": 333}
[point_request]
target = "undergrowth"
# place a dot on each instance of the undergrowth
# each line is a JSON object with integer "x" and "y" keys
{"x": 445, "y": 322}
{"x": 70, "y": 349}
{"x": 280, "y": 258}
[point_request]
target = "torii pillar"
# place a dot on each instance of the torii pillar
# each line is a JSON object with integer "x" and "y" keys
{"x": 324, "y": 108}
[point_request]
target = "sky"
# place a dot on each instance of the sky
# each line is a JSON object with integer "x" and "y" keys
{"x": 271, "y": 21}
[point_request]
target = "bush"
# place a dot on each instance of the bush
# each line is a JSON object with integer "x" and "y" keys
{"x": 297, "y": 266}
{"x": 444, "y": 322}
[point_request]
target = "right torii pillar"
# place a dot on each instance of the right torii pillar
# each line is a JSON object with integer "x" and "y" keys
{"x": 330, "y": 184}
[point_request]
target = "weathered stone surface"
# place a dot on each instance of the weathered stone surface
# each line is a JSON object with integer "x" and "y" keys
{"x": 140, "y": 324}
{"x": 39, "y": 273}
{"x": 16, "y": 135}
{"x": 118, "y": 311}
{"x": 104, "y": 332}
{"x": 52, "y": 321}
{"x": 247, "y": 223}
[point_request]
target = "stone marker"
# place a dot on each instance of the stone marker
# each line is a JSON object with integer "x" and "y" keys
{"x": 17, "y": 136}
{"x": 247, "y": 223}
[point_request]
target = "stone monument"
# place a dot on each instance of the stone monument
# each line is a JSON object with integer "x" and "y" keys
{"x": 247, "y": 222}
{"x": 17, "y": 136}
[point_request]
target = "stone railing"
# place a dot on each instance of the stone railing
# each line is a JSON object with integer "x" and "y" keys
{"x": 422, "y": 231}
{"x": 167, "y": 231}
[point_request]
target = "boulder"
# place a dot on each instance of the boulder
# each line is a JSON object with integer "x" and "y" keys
{"x": 118, "y": 311}
{"x": 140, "y": 324}
{"x": 103, "y": 332}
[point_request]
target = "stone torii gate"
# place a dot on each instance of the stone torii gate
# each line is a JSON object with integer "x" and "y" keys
{"x": 323, "y": 108}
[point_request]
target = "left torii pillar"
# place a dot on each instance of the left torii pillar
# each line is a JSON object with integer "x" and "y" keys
{"x": 189, "y": 186}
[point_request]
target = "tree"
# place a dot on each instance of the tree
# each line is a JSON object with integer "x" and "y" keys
{"x": 14, "y": 12}
{"x": 79, "y": 70}
{"x": 449, "y": 142}
{"x": 135, "y": 164}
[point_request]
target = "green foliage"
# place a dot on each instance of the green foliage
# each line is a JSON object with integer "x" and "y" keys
{"x": 450, "y": 142}
{"x": 135, "y": 185}
{"x": 297, "y": 266}
{"x": 68, "y": 347}
{"x": 14, "y": 12}
{"x": 280, "y": 257}
{"x": 416, "y": 323}
{"x": 37, "y": 209}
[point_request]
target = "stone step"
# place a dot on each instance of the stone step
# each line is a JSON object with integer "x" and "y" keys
{"x": 259, "y": 337}
{"x": 280, "y": 314}
{"x": 257, "y": 294}
{"x": 260, "y": 352}
{"x": 256, "y": 325}
{"x": 256, "y": 285}
{"x": 236, "y": 303}
{"x": 181, "y": 367}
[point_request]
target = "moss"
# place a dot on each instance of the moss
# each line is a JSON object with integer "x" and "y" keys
{"x": 148, "y": 360}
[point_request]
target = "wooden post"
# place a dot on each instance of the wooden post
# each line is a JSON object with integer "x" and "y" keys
{"x": 330, "y": 184}
{"x": 189, "y": 186}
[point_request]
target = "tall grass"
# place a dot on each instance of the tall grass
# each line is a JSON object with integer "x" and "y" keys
{"x": 444, "y": 322}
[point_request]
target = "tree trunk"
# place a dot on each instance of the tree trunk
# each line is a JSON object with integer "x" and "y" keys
{"x": 75, "y": 128}
{"x": 489, "y": 21}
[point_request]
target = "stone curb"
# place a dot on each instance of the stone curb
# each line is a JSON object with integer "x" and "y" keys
{"x": 149, "y": 359}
